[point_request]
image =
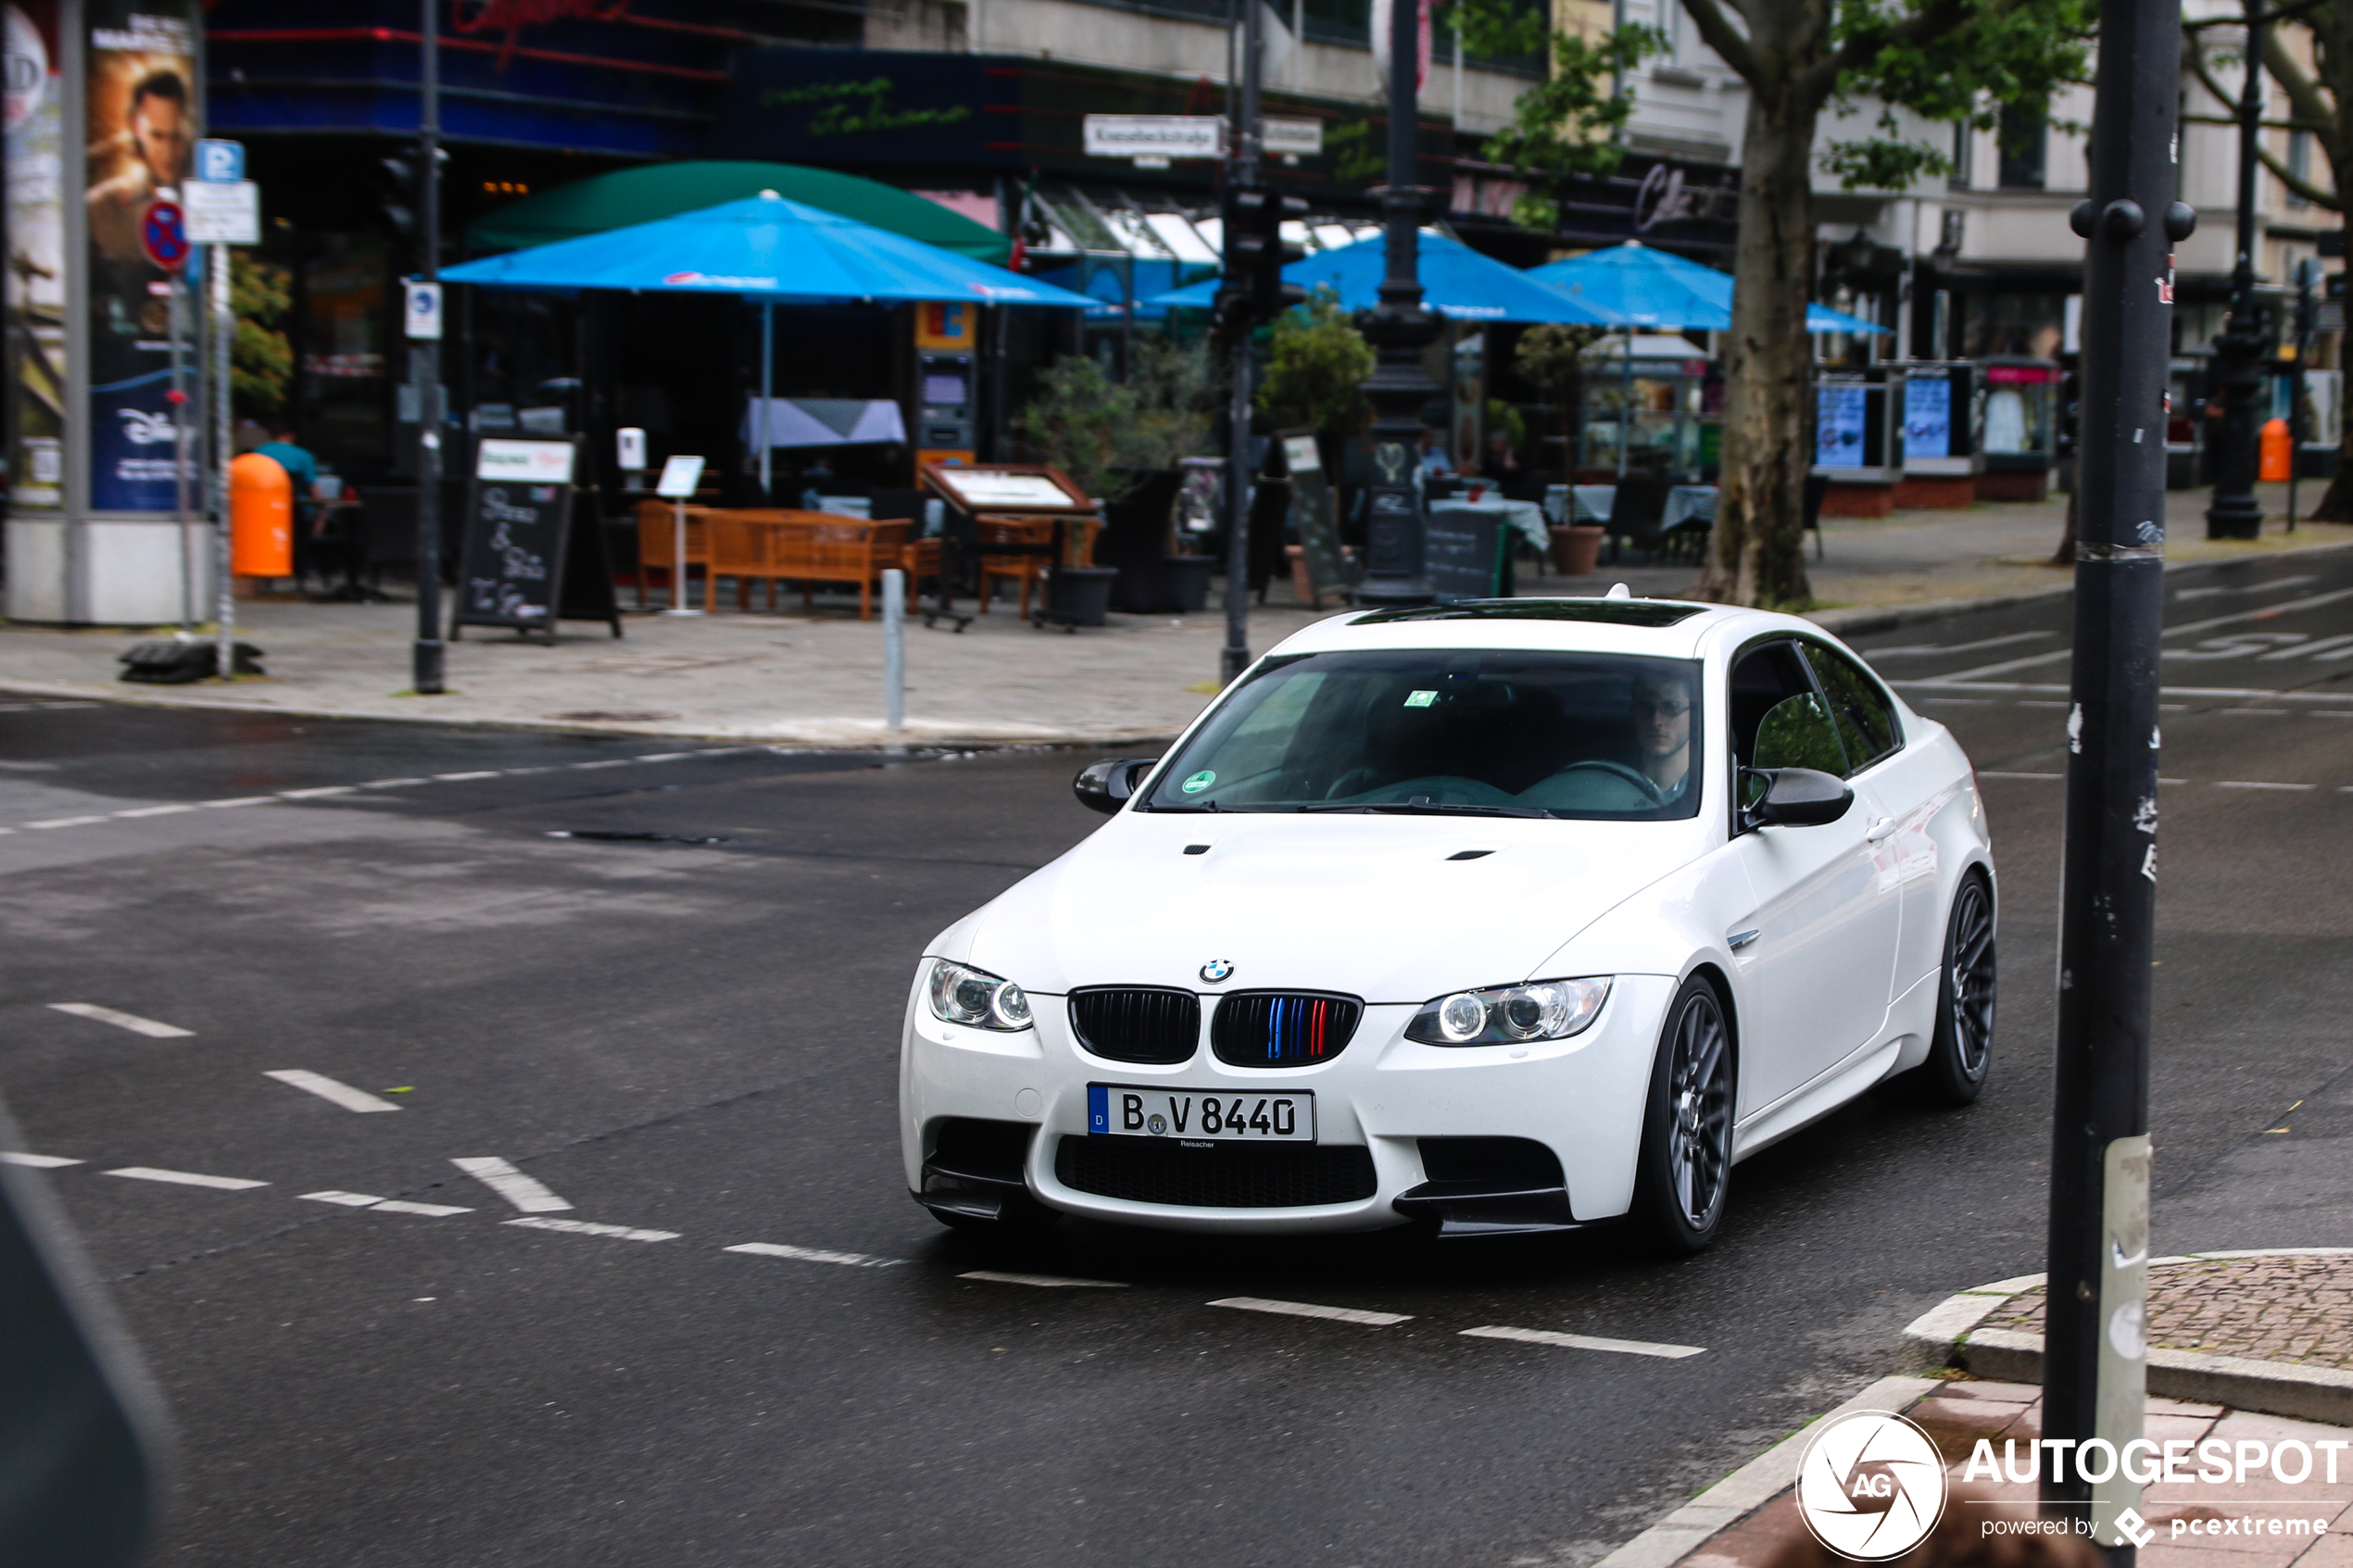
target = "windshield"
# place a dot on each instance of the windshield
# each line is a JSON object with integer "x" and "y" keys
{"x": 1481, "y": 732}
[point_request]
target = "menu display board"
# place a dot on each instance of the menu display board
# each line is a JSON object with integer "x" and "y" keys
{"x": 1838, "y": 419}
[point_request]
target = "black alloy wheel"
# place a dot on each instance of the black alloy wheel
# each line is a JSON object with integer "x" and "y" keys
{"x": 1686, "y": 1164}
{"x": 1963, "y": 1046}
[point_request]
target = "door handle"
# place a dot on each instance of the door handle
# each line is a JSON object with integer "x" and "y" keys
{"x": 1883, "y": 829}
{"x": 1738, "y": 939}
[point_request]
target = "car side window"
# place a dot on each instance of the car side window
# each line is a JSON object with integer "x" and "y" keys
{"x": 1762, "y": 681}
{"x": 1798, "y": 733}
{"x": 1866, "y": 721}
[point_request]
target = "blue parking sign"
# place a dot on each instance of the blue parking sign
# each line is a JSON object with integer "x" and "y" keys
{"x": 220, "y": 163}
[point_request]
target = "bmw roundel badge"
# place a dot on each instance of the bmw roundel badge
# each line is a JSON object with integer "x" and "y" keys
{"x": 1216, "y": 969}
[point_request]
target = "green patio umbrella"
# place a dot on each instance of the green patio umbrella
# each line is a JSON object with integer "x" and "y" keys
{"x": 630, "y": 196}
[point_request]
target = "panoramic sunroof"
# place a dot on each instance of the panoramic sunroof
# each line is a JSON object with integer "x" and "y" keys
{"x": 1608, "y": 612}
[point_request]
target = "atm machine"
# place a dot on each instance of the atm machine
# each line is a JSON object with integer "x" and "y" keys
{"x": 946, "y": 410}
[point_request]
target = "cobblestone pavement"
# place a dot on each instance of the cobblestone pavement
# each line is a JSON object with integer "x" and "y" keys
{"x": 2233, "y": 1524}
{"x": 2268, "y": 1309}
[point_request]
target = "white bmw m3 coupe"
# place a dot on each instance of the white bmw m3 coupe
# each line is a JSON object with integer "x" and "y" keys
{"x": 1492, "y": 917}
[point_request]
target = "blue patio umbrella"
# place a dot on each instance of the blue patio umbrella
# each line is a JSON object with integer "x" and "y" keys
{"x": 766, "y": 248}
{"x": 1655, "y": 288}
{"x": 763, "y": 247}
{"x": 1457, "y": 282}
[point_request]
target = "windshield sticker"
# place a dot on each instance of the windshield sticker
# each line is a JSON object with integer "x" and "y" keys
{"x": 1420, "y": 699}
{"x": 1199, "y": 782}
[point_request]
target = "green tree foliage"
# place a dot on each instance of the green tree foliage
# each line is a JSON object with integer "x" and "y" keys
{"x": 1568, "y": 123}
{"x": 1315, "y": 369}
{"x": 1551, "y": 357}
{"x": 1106, "y": 434}
{"x": 260, "y": 359}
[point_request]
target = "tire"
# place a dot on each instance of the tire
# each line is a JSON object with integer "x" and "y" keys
{"x": 1685, "y": 1167}
{"x": 1961, "y": 1051}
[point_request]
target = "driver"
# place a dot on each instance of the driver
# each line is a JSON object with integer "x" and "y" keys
{"x": 1661, "y": 709}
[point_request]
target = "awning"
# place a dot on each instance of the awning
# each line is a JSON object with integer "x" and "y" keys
{"x": 630, "y": 196}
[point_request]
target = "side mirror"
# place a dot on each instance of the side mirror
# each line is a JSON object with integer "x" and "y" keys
{"x": 1794, "y": 797}
{"x": 1106, "y": 786}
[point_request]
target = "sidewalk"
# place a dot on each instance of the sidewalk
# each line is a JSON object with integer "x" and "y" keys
{"x": 816, "y": 680}
{"x": 2276, "y": 1325}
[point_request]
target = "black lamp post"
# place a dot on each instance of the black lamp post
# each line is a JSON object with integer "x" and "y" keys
{"x": 1399, "y": 329}
{"x": 2238, "y": 353}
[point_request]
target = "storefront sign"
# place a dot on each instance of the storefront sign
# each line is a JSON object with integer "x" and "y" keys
{"x": 1156, "y": 135}
{"x": 1292, "y": 138}
{"x": 1928, "y": 417}
{"x": 38, "y": 404}
{"x": 536, "y": 462}
{"x": 141, "y": 107}
{"x": 1839, "y": 413}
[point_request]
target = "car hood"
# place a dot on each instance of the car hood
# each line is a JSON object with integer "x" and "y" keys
{"x": 1374, "y": 906}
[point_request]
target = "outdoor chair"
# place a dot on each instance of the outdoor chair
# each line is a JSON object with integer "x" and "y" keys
{"x": 1078, "y": 549}
{"x": 1634, "y": 516}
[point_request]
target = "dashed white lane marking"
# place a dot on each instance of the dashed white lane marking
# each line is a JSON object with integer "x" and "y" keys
{"x": 131, "y": 1021}
{"x": 582, "y": 1227}
{"x": 1990, "y": 773}
{"x": 167, "y": 811}
{"x": 1310, "y": 1309}
{"x": 1587, "y": 1342}
{"x": 530, "y": 1195}
{"x": 238, "y": 800}
{"x": 2246, "y": 784}
{"x": 315, "y": 794}
{"x": 1046, "y": 1281}
{"x": 38, "y": 1161}
{"x": 389, "y": 783}
{"x": 327, "y": 1089}
{"x": 64, "y": 822}
{"x": 480, "y": 774}
{"x": 184, "y": 1178}
{"x": 384, "y": 1205}
{"x": 815, "y": 1255}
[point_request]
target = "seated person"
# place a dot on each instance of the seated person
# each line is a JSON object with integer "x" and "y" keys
{"x": 1502, "y": 463}
{"x": 1434, "y": 458}
{"x": 1661, "y": 709}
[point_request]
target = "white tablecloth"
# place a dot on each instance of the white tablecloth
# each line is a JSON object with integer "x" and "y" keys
{"x": 1594, "y": 502}
{"x": 1689, "y": 503}
{"x": 1526, "y": 516}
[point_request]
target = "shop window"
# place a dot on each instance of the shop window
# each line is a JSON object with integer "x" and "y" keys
{"x": 1964, "y": 154}
{"x": 1336, "y": 20}
{"x": 346, "y": 390}
{"x": 2025, "y": 143}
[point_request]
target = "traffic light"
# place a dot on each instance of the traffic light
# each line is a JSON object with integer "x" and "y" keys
{"x": 400, "y": 188}
{"x": 1253, "y": 291}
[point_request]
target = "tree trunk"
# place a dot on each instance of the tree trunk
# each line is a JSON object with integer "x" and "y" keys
{"x": 1760, "y": 512}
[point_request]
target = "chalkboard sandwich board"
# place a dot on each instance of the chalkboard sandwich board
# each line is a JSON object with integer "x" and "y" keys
{"x": 527, "y": 562}
{"x": 1312, "y": 516}
{"x": 1462, "y": 553}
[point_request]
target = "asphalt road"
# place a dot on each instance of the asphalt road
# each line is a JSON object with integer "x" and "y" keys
{"x": 680, "y": 1021}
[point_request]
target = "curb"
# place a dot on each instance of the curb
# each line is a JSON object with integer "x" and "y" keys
{"x": 906, "y": 740}
{"x": 1947, "y": 1334}
{"x": 1752, "y": 1486}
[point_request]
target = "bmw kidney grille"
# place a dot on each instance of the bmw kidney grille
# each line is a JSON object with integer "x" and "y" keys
{"x": 1130, "y": 1024}
{"x": 1282, "y": 1028}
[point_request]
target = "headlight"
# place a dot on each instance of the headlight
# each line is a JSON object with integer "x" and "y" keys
{"x": 1510, "y": 1015}
{"x": 961, "y": 993}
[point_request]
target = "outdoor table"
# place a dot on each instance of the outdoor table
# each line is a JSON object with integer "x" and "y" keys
{"x": 1689, "y": 503}
{"x": 1525, "y": 516}
{"x": 1593, "y": 503}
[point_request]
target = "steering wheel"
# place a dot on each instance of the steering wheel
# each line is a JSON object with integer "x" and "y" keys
{"x": 1619, "y": 771}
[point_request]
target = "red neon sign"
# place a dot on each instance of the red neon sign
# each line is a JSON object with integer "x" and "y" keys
{"x": 510, "y": 16}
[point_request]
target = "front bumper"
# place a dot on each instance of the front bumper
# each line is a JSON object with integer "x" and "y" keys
{"x": 1581, "y": 1097}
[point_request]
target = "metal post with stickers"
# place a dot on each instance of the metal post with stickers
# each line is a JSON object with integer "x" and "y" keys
{"x": 221, "y": 207}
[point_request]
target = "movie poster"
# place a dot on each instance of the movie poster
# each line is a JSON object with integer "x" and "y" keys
{"x": 142, "y": 110}
{"x": 35, "y": 123}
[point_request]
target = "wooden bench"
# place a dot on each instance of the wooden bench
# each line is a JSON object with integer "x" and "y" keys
{"x": 777, "y": 545}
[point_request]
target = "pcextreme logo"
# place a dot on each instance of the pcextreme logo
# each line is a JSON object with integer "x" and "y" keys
{"x": 1870, "y": 1485}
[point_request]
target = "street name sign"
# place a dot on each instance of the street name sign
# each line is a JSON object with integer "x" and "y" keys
{"x": 1155, "y": 135}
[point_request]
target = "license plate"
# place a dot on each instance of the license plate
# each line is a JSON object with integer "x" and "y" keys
{"x": 1115, "y": 1111}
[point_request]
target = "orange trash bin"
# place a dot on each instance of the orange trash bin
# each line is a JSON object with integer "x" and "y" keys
{"x": 260, "y": 518}
{"x": 2279, "y": 451}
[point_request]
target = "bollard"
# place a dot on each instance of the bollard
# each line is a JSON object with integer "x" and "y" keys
{"x": 894, "y": 649}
